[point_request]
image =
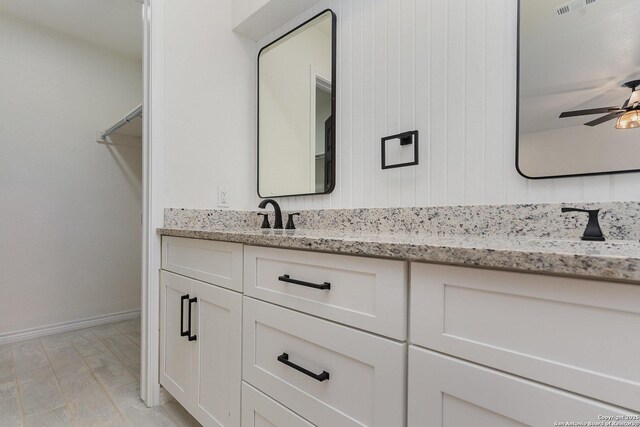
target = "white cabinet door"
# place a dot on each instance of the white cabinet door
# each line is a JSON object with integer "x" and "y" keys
{"x": 448, "y": 392}
{"x": 175, "y": 349}
{"x": 259, "y": 410}
{"x": 217, "y": 355}
{"x": 204, "y": 373}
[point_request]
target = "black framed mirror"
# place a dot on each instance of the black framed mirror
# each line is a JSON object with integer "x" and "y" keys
{"x": 297, "y": 110}
{"x": 578, "y": 88}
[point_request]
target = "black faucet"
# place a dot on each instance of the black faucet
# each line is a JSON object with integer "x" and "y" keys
{"x": 278, "y": 213}
{"x": 593, "y": 231}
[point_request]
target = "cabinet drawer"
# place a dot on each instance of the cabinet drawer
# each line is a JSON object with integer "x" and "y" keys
{"x": 219, "y": 263}
{"x": 448, "y": 392}
{"x": 574, "y": 334}
{"x": 366, "y": 293}
{"x": 365, "y": 373}
{"x": 259, "y": 410}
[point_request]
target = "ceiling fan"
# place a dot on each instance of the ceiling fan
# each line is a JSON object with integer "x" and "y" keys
{"x": 628, "y": 115}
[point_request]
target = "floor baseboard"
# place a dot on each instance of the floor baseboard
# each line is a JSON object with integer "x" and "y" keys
{"x": 42, "y": 331}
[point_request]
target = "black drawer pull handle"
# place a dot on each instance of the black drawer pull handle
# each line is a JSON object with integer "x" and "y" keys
{"x": 284, "y": 358}
{"x": 192, "y": 301}
{"x": 183, "y": 333}
{"x": 286, "y": 278}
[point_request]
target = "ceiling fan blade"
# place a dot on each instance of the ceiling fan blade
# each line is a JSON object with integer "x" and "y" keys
{"x": 604, "y": 119}
{"x": 575, "y": 113}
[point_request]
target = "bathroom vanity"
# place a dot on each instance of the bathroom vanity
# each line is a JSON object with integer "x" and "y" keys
{"x": 424, "y": 315}
{"x": 306, "y": 327}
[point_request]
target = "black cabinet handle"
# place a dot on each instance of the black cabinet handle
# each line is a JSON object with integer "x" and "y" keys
{"x": 183, "y": 333}
{"x": 191, "y": 301}
{"x": 284, "y": 358}
{"x": 286, "y": 278}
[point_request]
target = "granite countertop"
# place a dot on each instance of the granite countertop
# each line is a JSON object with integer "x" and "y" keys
{"x": 612, "y": 260}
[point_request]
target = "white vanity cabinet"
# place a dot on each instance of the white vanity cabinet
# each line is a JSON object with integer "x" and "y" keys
{"x": 581, "y": 336}
{"x": 334, "y": 340}
{"x": 449, "y": 392}
{"x": 307, "y": 336}
{"x": 200, "y": 343}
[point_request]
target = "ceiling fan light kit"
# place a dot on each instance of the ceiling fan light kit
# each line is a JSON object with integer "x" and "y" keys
{"x": 628, "y": 116}
{"x": 629, "y": 120}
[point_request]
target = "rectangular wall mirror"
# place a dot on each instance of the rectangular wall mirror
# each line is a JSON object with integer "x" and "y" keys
{"x": 578, "y": 87}
{"x": 297, "y": 112}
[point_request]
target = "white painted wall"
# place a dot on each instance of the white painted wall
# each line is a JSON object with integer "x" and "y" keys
{"x": 448, "y": 69}
{"x": 444, "y": 67}
{"x": 70, "y": 217}
{"x": 210, "y": 106}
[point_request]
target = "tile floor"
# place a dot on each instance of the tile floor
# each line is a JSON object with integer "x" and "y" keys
{"x": 83, "y": 378}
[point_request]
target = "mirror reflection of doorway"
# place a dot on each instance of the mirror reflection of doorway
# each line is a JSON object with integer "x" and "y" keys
{"x": 321, "y": 116}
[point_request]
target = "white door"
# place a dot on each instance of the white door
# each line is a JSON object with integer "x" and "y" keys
{"x": 449, "y": 392}
{"x": 217, "y": 355}
{"x": 175, "y": 348}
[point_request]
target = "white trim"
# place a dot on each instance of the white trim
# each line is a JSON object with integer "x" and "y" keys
{"x": 153, "y": 212}
{"x": 74, "y": 325}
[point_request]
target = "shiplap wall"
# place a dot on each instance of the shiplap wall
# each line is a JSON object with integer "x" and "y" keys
{"x": 448, "y": 69}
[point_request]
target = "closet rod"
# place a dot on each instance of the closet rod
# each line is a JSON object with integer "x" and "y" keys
{"x": 126, "y": 119}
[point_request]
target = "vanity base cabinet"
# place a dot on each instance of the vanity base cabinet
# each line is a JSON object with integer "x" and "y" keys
{"x": 448, "y": 392}
{"x": 259, "y": 410}
{"x": 330, "y": 374}
{"x": 204, "y": 373}
{"x": 578, "y": 335}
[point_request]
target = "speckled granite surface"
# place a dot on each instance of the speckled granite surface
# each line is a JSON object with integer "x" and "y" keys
{"x": 619, "y": 220}
{"x": 531, "y": 238}
{"x": 617, "y": 260}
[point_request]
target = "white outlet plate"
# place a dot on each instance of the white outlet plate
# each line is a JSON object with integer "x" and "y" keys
{"x": 224, "y": 196}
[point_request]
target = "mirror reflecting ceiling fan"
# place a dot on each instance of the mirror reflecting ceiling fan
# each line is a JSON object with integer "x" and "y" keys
{"x": 628, "y": 115}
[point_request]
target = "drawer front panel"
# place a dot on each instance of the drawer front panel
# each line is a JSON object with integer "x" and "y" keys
{"x": 448, "y": 392}
{"x": 259, "y": 410}
{"x": 366, "y": 374}
{"x": 578, "y": 335}
{"x": 366, "y": 293}
{"x": 218, "y": 263}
